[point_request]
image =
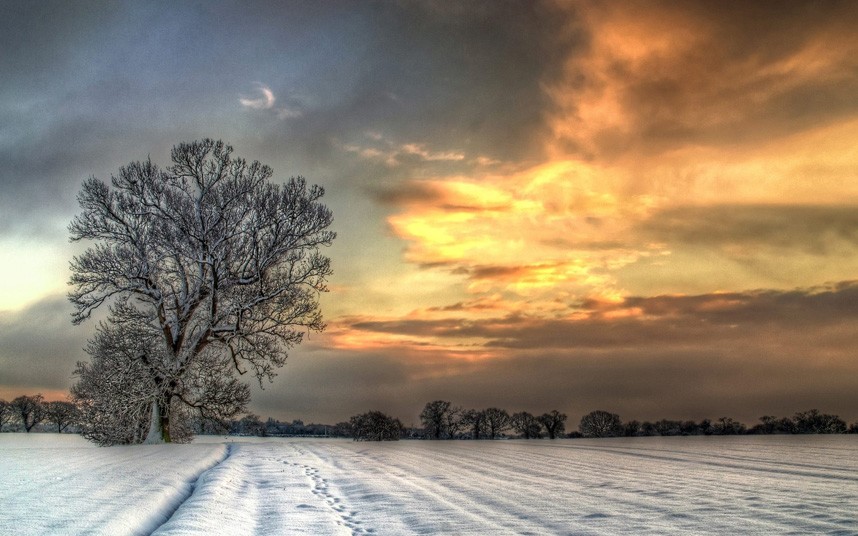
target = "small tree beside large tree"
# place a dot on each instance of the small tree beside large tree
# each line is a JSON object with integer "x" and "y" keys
{"x": 29, "y": 410}
{"x": 217, "y": 266}
{"x": 61, "y": 413}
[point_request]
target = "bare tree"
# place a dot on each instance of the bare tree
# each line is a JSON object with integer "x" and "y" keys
{"x": 497, "y": 420}
{"x": 375, "y": 426}
{"x": 601, "y": 424}
{"x": 453, "y": 421}
{"x": 435, "y": 418}
{"x": 554, "y": 423}
{"x": 727, "y": 426}
{"x": 342, "y": 429}
{"x": 815, "y": 422}
{"x": 29, "y": 409}
{"x": 249, "y": 425}
{"x": 219, "y": 258}
{"x": 475, "y": 421}
{"x": 632, "y": 428}
{"x": 61, "y": 413}
{"x": 6, "y": 413}
{"x": 667, "y": 427}
{"x": 526, "y": 425}
{"x": 128, "y": 364}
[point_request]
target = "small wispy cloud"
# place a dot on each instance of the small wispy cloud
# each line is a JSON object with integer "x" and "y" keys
{"x": 393, "y": 153}
{"x": 266, "y": 100}
{"x": 288, "y": 113}
{"x": 419, "y": 150}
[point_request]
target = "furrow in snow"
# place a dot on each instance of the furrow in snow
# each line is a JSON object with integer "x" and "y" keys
{"x": 62, "y": 484}
{"x": 165, "y": 516}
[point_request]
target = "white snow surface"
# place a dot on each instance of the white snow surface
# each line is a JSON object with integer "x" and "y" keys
{"x": 52, "y": 484}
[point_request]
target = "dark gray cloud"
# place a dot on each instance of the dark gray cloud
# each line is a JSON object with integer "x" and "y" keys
{"x": 407, "y": 193}
{"x": 467, "y": 80}
{"x": 90, "y": 87}
{"x": 814, "y": 229}
{"x": 39, "y": 346}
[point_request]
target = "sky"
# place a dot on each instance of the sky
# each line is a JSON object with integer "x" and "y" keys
{"x": 649, "y": 208}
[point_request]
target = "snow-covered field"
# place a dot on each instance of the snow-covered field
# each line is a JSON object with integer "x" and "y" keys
{"x": 53, "y": 484}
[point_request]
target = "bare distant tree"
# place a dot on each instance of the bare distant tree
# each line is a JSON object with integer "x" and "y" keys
{"x": 668, "y": 427}
{"x": 435, "y": 418}
{"x": 632, "y": 429}
{"x": 554, "y": 423}
{"x": 453, "y": 422}
{"x": 376, "y": 426}
{"x": 6, "y": 413}
{"x": 601, "y": 424}
{"x": 29, "y": 409}
{"x": 526, "y": 425}
{"x": 815, "y": 422}
{"x": 61, "y": 413}
{"x": 497, "y": 420}
{"x": 727, "y": 426}
{"x": 219, "y": 260}
{"x": 475, "y": 421}
{"x": 342, "y": 429}
{"x": 768, "y": 424}
{"x": 249, "y": 425}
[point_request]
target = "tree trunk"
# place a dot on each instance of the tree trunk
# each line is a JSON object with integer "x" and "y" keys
{"x": 159, "y": 424}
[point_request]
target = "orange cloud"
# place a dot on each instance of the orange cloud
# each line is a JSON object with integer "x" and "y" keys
{"x": 656, "y": 76}
{"x": 555, "y": 227}
{"x": 440, "y": 343}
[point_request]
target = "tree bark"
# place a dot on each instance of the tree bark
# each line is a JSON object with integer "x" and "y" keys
{"x": 159, "y": 425}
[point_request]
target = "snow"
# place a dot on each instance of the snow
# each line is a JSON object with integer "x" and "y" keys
{"x": 62, "y": 484}
{"x": 695, "y": 485}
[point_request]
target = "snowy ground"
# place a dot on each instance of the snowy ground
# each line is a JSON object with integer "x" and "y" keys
{"x": 53, "y": 484}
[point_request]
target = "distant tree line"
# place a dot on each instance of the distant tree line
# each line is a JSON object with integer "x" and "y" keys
{"x": 605, "y": 424}
{"x": 32, "y": 413}
{"x": 252, "y": 425}
{"x": 439, "y": 419}
{"x": 442, "y": 420}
